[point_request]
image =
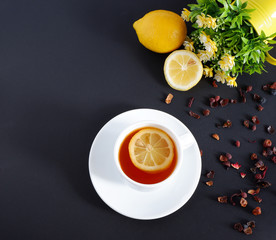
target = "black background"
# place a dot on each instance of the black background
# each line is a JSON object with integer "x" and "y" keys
{"x": 66, "y": 68}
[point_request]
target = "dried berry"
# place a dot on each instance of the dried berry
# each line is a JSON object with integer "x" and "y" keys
{"x": 259, "y": 164}
{"x": 228, "y": 155}
{"x": 263, "y": 184}
{"x": 269, "y": 151}
{"x": 257, "y": 211}
{"x": 215, "y": 136}
{"x": 169, "y": 98}
{"x": 273, "y": 86}
{"x": 253, "y": 192}
{"x": 238, "y": 143}
{"x": 224, "y": 102}
{"x": 236, "y": 165}
{"x": 214, "y": 84}
{"x": 211, "y": 100}
{"x": 255, "y": 120}
{"x": 248, "y": 89}
{"x": 223, "y": 158}
{"x": 194, "y": 115}
{"x": 209, "y": 183}
{"x": 253, "y": 156}
{"x": 260, "y": 108}
{"x": 238, "y": 226}
{"x": 227, "y": 124}
{"x": 243, "y": 202}
{"x": 246, "y": 123}
{"x": 217, "y": 98}
{"x": 258, "y": 176}
{"x": 273, "y": 159}
{"x": 251, "y": 224}
{"x": 266, "y": 87}
{"x": 222, "y": 199}
{"x": 264, "y": 153}
{"x": 227, "y": 164}
{"x": 243, "y": 194}
{"x": 210, "y": 174}
{"x": 233, "y": 101}
{"x": 247, "y": 230}
{"x": 270, "y": 129}
{"x": 232, "y": 200}
{"x": 243, "y": 174}
{"x": 253, "y": 128}
{"x": 213, "y": 104}
{"x": 256, "y": 97}
{"x": 190, "y": 102}
{"x": 267, "y": 143}
{"x": 257, "y": 199}
{"x": 206, "y": 112}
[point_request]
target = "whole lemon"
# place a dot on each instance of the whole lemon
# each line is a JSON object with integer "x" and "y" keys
{"x": 161, "y": 31}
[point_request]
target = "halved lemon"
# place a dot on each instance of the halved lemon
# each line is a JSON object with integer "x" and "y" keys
{"x": 151, "y": 150}
{"x": 183, "y": 70}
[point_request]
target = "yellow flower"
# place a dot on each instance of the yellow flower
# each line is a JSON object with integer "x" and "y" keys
{"x": 208, "y": 72}
{"x": 227, "y": 62}
{"x": 211, "y": 22}
{"x": 231, "y": 81}
{"x": 185, "y": 14}
{"x": 220, "y": 76}
{"x": 201, "y": 20}
{"x": 189, "y": 46}
{"x": 204, "y": 55}
{"x": 211, "y": 46}
{"x": 203, "y": 38}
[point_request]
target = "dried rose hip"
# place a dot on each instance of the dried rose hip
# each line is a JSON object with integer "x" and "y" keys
{"x": 243, "y": 194}
{"x": 247, "y": 230}
{"x": 260, "y": 108}
{"x": 253, "y": 169}
{"x": 259, "y": 164}
{"x": 246, "y": 123}
{"x": 251, "y": 224}
{"x": 258, "y": 176}
{"x": 206, "y": 112}
{"x": 213, "y": 104}
{"x": 227, "y": 124}
{"x": 238, "y": 143}
{"x": 234, "y": 101}
{"x": 253, "y": 156}
{"x": 255, "y": 120}
{"x": 227, "y": 164}
{"x": 248, "y": 89}
{"x": 254, "y": 192}
{"x": 267, "y": 143}
{"x": 194, "y": 115}
{"x": 263, "y": 184}
{"x": 223, "y": 158}
{"x": 238, "y": 226}
{"x": 224, "y": 102}
{"x": 257, "y": 199}
{"x": 253, "y": 128}
{"x": 169, "y": 98}
{"x": 257, "y": 211}
{"x": 217, "y": 98}
{"x": 256, "y": 97}
{"x": 236, "y": 165}
{"x": 273, "y": 159}
{"x": 270, "y": 129}
{"x": 243, "y": 174}
{"x": 215, "y": 136}
{"x": 223, "y": 199}
{"x": 214, "y": 84}
{"x": 210, "y": 174}
{"x": 243, "y": 202}
{"x": 209, "y": 183}
{"x": 190, "y": 102}
{"x": 228, "y": 155}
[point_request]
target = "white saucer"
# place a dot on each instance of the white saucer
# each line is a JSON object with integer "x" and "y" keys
{"x": 119, "y": 195}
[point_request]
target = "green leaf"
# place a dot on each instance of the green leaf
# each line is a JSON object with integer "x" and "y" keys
{"x": 245, "y": 40}
{"x": 244, "y": 5}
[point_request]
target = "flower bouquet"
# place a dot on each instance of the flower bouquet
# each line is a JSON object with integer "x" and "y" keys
{"x": 224, "y": 39}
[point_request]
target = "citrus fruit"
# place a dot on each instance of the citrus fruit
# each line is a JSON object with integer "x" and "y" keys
{"x": 183, "y": 70}
{"x": 161, "y": 31}
{"x": 151, "y": 150}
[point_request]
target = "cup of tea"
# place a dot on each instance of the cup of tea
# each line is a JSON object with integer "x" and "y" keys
{"x": 263, "y": 19}
{"x": 148, "y": 180}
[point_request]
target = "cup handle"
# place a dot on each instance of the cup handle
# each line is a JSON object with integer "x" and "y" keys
{"x": 270, "y": 59}
{"x": 186, "y": 140}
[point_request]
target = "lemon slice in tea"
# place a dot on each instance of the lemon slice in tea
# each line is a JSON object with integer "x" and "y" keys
{"x": 151, "y": 150}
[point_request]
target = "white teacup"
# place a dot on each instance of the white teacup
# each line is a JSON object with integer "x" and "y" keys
{"x": 181, "y": 142}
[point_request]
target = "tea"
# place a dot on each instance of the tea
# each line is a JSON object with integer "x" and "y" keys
{"x": 135, "y": 173}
